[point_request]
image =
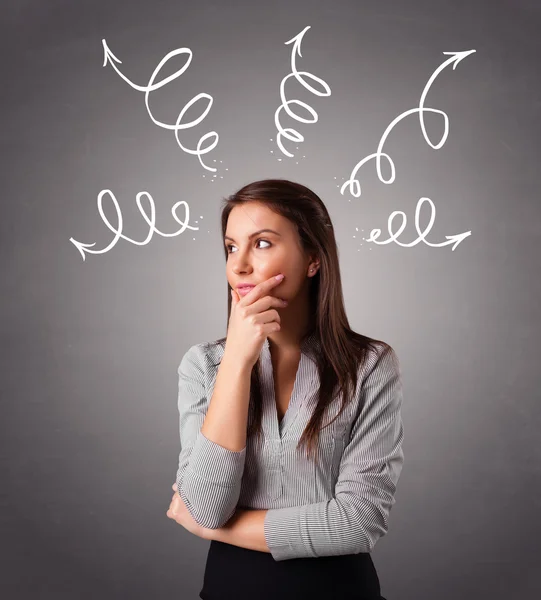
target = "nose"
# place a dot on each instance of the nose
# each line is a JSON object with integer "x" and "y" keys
{"x": 239, "y": 268}
{"x": 241, "y": 264}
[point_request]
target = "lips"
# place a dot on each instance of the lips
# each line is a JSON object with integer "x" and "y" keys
{"x": 243, "y": 290}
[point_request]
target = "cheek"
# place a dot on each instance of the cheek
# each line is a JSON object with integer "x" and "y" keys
{"x": 289, "y": 288}
{"x": 271, "y": 262}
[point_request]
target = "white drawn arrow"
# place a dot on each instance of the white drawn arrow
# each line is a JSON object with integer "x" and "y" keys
{"x": 352, "y": 182}
{"x": 289, "y": 133}
{"x": 452, "y": 239}
{"x": 85, "y": 248}
{"x": 110, "y": 58}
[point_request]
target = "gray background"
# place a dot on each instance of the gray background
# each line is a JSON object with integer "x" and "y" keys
{"x": 90, "y": 348}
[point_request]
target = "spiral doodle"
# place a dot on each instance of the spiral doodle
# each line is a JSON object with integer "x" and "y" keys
{"x": 289, "y": 133}
{"x": 354, "y": 185}
{"x": 110, "y": 57}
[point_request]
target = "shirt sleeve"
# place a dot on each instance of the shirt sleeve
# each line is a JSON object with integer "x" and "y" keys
{"x": 209, "y": 475}
{"x": 358, "y": 514}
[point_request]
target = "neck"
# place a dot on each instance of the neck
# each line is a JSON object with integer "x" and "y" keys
{"x": 296, "y": 321}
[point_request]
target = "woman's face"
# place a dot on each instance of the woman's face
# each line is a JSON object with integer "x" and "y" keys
{"x": 257, "y": 258}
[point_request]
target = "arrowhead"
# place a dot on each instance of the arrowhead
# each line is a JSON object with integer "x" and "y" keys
{"x": 107, "y": 54}
{"x": 457, "y": 238}
{"x": 458, "y": 56}
{"x": 81, "y": 247}
{"x": 297, "y": 39}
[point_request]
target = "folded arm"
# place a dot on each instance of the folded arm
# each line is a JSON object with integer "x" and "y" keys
{"x": 209, "y": 475}
{"x": 357, "y": 516}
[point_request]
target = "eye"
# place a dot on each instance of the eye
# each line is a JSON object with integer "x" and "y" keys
{"x": 228, "y": 246}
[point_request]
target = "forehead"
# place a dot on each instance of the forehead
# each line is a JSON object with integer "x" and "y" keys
{"x": 252, "y": 216}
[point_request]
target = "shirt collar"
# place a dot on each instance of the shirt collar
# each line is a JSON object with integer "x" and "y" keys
{"x": 309, "y": 345}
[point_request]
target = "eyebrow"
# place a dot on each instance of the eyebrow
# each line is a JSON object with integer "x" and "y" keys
{"x": 227, "y": 237}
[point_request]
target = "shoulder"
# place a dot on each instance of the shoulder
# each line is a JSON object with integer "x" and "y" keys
{"x": 381, "y": 360}
{"x": 379, "y": 384}
{"x": 201, "y": 358}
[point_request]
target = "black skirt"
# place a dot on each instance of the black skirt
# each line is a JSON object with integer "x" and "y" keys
{"x": 235, "y": 573}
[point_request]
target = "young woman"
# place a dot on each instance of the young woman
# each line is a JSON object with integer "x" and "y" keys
{"x": 290, "y": 426}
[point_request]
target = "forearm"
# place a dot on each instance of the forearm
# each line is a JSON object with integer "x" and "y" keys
{"x": 227, "y": 415}
{"x": 244, "y": 529}
{"x": 211, "y": 464}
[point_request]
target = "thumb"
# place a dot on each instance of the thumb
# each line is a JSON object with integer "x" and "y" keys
{"x": 234, "y": 296}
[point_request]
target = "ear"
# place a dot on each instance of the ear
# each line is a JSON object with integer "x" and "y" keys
{"x": 314, "y": 263}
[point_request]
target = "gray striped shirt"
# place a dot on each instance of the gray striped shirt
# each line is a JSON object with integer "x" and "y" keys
{"x": 340, "y": 505}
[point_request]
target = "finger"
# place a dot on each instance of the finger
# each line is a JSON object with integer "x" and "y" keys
{"x": 268, "y": 285}
{"x": 262, "y": 289}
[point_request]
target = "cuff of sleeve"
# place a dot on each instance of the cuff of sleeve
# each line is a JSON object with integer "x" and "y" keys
{"x": 216, "y": 464}
{"x": 283, "y": 533}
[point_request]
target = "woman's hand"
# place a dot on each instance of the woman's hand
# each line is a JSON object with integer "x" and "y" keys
{"x": 179, "y": 513}
{"x": 253, "y": 317}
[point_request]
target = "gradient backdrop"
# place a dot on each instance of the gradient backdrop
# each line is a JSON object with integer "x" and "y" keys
{"x": 90, "y": 348}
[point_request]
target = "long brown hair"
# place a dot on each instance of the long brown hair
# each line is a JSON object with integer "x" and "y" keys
{"x": 341, "y": 351}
